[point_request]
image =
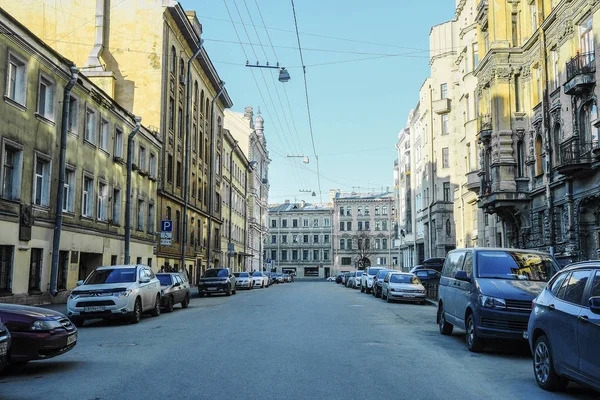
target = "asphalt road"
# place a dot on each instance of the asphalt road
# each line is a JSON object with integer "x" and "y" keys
{"x": 306, "y": 340}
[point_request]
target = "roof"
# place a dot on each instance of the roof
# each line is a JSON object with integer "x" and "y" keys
{"x": 296, "y": 207}
{"x": 364, "y": 196}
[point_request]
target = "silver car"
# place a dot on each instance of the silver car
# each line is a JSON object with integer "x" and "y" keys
{"x": 402, "y": 286}
{"x": 175, "y": 289}
{"x": 243, "y": 280}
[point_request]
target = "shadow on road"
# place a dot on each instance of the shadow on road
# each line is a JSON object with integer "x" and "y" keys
{"x": 39, "y": 369}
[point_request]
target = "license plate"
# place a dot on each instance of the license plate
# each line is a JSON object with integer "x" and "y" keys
{"x": 72, "y": 339}
{"x": 94, "y": 309}
{"x": 408, "y": 295}
{"x": 3, "y": 348}
{"x": 525, "y": 335}
{"x": 211, "y": 288}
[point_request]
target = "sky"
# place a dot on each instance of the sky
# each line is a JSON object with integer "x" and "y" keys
{"x": 365, "y": 63}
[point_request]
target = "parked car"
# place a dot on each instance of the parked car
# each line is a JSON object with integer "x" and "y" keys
{"x": 331, "y": 279}
{"x": 5, "y": 344}
{"x": 175, "y": 289}
{"x": 564, "y": 328}
{"x": 356, "y": 282}
{"x": 402, "y": 286}
{"x": 287, "y": 278}
{"x": 339, "y": 278}
{"x": 350, "y": 280}
{"x": 217, "y": 280}
{"x": 260, "y": 279}
{"x": 428, "y": 275}
{"x": 115, "y": 292}
{"x": 434, "y": 263}
{"x": 345, "y": 278}
{"x": 417, "y": 268}
{"x": 280, "y": 278}
{"x": 366, "y": 279}
{"x": 488, "y": 292}
{"x": 36, "y": 333}
{"x": 243, "y": 280}
{"x": 378, "y": 281}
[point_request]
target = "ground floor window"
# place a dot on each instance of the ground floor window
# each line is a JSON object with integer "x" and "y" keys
{"x": 311, "y": 271}
{"x": 288, "y": 270}
{"x": 6, "y": 261}
{"x": 63, "y": 270}
{"x": 35, "y": 270}
{"x": 346, "y": 260}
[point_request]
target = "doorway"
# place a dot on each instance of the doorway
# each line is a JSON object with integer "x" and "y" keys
{"x": 87, "y": 263}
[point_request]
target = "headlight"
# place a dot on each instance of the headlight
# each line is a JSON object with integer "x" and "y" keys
{"x": 45, "y": 325}
{"x": 124, "y": 293}
{"x": 73, "y": 296}
{"x": 492, "y": 302}
{"x": 420, "y": 291}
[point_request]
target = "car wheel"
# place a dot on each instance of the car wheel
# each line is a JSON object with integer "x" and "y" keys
{"x": 77, "y": 322}
{"x": 474, "y": 342}
{"x": 137, "y": 312}
{"x": 445, "y": 327}
{"x": 388, "y": 298}
{"x": 156, "y": 311}
{"x": 186, "y": 302}
{"x": 228, "y": 291}
{"x": 169, "y": 306}
{"x": 543, "y": 367}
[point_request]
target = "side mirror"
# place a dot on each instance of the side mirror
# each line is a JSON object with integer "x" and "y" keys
{"x": 462, "y": 276}
{"x": 177, "y": 284}
{"x": 145, "y": 279}
{"x": 595, "y": 305}
{"x": 79, "y": 283}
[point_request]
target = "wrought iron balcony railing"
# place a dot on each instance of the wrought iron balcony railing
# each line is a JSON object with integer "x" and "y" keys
{"x": 484, "y": 124}
{"x": 581, "y": 64}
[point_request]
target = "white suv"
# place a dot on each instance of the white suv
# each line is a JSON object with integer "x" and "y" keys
{"x": 118, "y": 291}
{"x": 366, "y": 280}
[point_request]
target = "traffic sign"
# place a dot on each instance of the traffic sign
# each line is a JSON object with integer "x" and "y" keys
{"x": 165, "y": 242}
{"x": 166, "y": 235}
{"x": 166, "y": 225}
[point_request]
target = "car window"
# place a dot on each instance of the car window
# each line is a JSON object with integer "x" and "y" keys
{"x": 595, "y": 292}
{"x": 453, "y": 263}
{"x": 468, "y": 264}
{"x": 178, "y": 280}
{"x": 150, "y": 273}
{"x": 387, "y": 277}
{"x": 515, "y": 265}
{"x": 421, "y": 273}
{"x": 575, "y": 286}
{"x": 557, "y": 283}
{"x": 117, "y": 275}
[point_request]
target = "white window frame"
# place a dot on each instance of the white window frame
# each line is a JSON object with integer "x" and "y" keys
{"x": 87, "y": 203}
{"x": 104, "y": 134}
{"x": 17, "y": 169}
{"x": 47, "y": 97}
{"x": 69, "y": 190}
{"x": 90, "y": 138}
{"x": 102, "y": 200}
{"x": 445, "y": 124}
{"x": 118, "y": 142}
{"x": 20, "y": 63}
{"x": 45, "y": 196}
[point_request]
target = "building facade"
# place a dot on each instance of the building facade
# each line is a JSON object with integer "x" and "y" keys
{"x": 234, "y": 189}
{"x": 363, "y": 233}
{"x": 34, "y": 80}
{"x": 538, "y": 130}
{"x": 150, "y": 80}
{"x": 249, "y": 132}
{"x": 299, "y": 239}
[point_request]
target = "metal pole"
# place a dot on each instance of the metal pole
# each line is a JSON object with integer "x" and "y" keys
{"x": 61, "y": 180}
{"x": 138, "y": 123}
{"x": 211, "y": 183}
{"x": 186, "y": 184}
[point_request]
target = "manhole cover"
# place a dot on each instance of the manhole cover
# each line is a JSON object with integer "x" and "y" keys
{"x": 118, "y": 344}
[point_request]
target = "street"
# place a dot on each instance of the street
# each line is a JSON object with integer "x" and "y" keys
{"x": 303, "y": 340}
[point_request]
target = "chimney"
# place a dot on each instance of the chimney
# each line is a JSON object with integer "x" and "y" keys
{"x": 287, "y": 201}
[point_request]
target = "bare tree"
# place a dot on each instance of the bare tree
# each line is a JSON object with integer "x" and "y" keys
{"x": 361, "y": 244}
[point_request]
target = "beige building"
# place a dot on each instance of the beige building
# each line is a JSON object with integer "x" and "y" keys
{"x": 34, "y": 78}
{"x": 137, "y": 51}
{"x": 235, "y": 207}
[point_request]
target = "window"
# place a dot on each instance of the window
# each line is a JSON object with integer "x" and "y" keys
{"x": 444, "y": 124}
{"x": 102, "y": 201}
{"x": 376, "y": 210}
{"x": 171, "y": 114}
{"x": 377, "y": 225}
{"x": 178, "y": 174}
{"x": 305, "y": 238}
{"x": 73, "y": 114}
{"x": 315, "y": 255}
{"x": 273, "y": 239}
{"x": 284, "y": 223}
{"x": 152, "y": 165}
{"x": 447, "y": 191}
{"x": 294, "y": 223}
{"x": 326, "y": 223}
{"x": 116, "y": 217}
{"x": 69, "y": 191}
{"x": 384, "y": 244}
{"x": 342, "y": 244}
{"x": 294, "y": 238}
{"x": 142, "y": 158}
{"x": 348, "y": 211}
{"x": 173, "y": 60}
{"x": 273, "y": 254}
{"x": 325, "y": 255}
{"x": 315, "y": 223}
{"x": 534, "y": 16}
{"x": 448, "y": 228}
{"x": 367, "y": 225}
{"x": 325, "y": 238}
{"x": 445, "y": 157}
{"x": 283, "y": 238}
{"x": 349, "y": 244}
{"x": 87, "y": 196}
{"x": 104, "y": 135}
{"x": 342, "y": 225}
{"x": 15, "y": 79}
{"x": 118, "y": 145}
{"x": 539, "y": 162}
{"x": 12, "y": 164}
{"x": 444, "y": 91}
{"x": 475, "y": 55}
{"x": 284, "y": 255}
{"x": 384, "y": 226}
{"x": 346, "y": 261}
{"x": 575, "y": 286}
{"x": 35, "y": 270}
{"x": 367, "y": 211}
{"x": 520, "y": 159}
{"x": 349, "y": 226}
{"x": 170, "y": 168}
{"x": 6, "y": 264}
{"x": 41, "y": 189}
{"x": 555, "y": 70}
{"x": 586, "y": 39}
{"x": 305, "y": 223}
{"x": 177, "y": 225}
{"x": 342, "y": 213}
{"x": 273, "y": 223}
{"x": 90, "y": 125}
{"x": 151, "y": 222}
{"x": 141, "y": 215}
{"x": 377, "y": 244}
{"x": 63, "y": 270}
{"x": 180, "y": 123}
{"x": 360, "y": 225}
{"x": 294, "y": 255}
{"x": 367, "y": 243}
{"x": 595, "y": 289}
{"x": 384, "y": 210}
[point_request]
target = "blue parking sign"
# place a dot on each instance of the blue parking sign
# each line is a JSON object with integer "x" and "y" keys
{"x": 166, "y": 226}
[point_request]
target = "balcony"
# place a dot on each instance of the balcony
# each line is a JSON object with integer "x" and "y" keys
{"x": 581, "y": 71}
{"x": 575, "y": 157}
{"x": 484, "y": 126}
{"x": 473, "y": 181}
{"x": 441, "y": 106}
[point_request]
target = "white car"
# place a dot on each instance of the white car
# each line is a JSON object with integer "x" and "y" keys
{"x": 118, "y": 291}
{"x": 402, "y": 286}
{"x": 260, "y": 279}
{"x": 356, "y": 281}
{"x": 366, "y": 279}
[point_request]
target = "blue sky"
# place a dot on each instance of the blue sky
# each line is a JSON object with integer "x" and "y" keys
{"x": 357, "y": 107}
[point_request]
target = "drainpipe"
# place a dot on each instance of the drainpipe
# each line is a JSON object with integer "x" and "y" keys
{"x": 230, "y": 202}
{"x": 186, "y": 183}
{"x": 431, "y": 186}
{"x": 245, "y": 217}
{"x": 61, "y": 179}
{"x": 211, "y": 183}
{"x": 138, "y": 123}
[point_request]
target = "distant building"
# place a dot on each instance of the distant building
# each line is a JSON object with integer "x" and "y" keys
{"x": 300, "y": 239}
{"x": 363, "y": 233}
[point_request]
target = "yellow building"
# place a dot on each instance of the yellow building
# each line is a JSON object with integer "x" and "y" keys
{"x": 33, "y": 81}
{"x": 538, "y": 130}
{"x": 235, "y": 207}
{"x": 138, "y": 51}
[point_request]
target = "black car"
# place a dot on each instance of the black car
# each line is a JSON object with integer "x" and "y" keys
{"x": 4, "y": 346}
{"x": 427, "y": 275}
{"x": 434, "y": 263}
{"x": 175, "y": 289}
{"x": 217, "y": 280}
{"x": 377, "y": 281}
{"x": 338, "y": 278}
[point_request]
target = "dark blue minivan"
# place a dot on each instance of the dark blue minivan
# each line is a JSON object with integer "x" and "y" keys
{"x": 488, "y": 292}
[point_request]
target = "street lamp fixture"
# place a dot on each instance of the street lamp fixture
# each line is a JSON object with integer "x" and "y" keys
{"x": 305, "y": 159}
{"x": 284, "y": 75}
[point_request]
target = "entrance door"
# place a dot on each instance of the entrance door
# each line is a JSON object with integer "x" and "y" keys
{"x": 327, "y": 272}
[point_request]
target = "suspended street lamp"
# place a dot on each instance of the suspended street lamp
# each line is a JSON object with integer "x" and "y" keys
{"x": 284, "y": 75}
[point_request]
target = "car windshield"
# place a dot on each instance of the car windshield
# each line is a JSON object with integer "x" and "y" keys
{"x": 114, "y": 275}
{"x": 404, "y": 278}
{"x": 242, "y": 274}
{"x": 381, "y": 274}
{"x": 216, "y": 273}
{"x": 257, "y": 274}
{"x": 165, "y": 280}
{"x": 359, "y": 273}
{"x": 515, "y": 266}
{"x": 373, "y": 271}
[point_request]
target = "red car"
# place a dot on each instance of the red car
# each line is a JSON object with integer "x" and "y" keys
{"x": 37, "y": 333}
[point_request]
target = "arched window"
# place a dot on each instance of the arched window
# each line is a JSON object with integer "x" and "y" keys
{"x": 219, "y": 126}
{"x": 520, "y": 159}
{"x": 448, "y": 228}
{"x": 181, "y": 69}
{"x": 539, "y": 159}
{"x": 173, "y": 61}
{"x": 202, "y": 102}
{"x": 195, "y": 94}
{"x": 207, "y": 115}
{"x": 556, "y": 145}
